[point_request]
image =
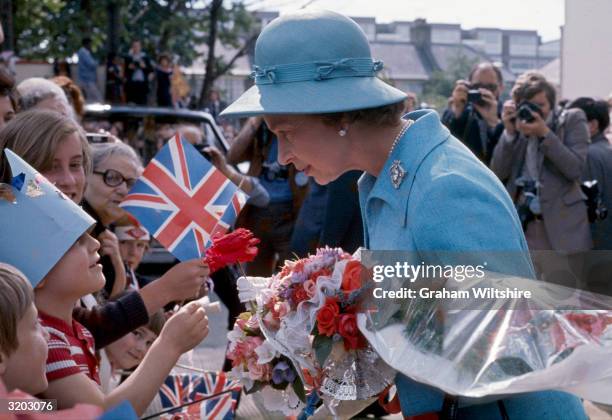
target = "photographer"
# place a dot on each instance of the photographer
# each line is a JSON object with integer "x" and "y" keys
{"x": 599, "y": 165}
{"x": 473, "y": 115}
{"x": 541, "y": 156}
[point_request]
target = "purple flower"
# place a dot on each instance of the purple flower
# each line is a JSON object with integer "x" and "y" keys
{"x": 282, "y": 372}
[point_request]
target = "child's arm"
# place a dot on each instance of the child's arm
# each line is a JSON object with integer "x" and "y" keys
{"x": 181, "y": 333}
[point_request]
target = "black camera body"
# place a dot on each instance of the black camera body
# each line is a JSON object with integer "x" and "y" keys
{"x": 526, "y": 110}
{"x": 527, "y": 193}
{"x": 475, "y": 97}
{"x": 596, "y": 209}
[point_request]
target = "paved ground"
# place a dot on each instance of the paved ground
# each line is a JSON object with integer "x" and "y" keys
{"x": 210, "y": 355}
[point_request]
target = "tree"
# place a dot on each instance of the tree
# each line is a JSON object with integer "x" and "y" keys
{"x": 441, "y": 83}
{"x": 51, "y": 29}
{"x": 6, "y": 19}
{"x": 47, "y": 29}
{"x": 233, "y": 27}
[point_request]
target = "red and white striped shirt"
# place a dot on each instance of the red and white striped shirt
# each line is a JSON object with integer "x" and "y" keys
{"x": 71, "y": 349}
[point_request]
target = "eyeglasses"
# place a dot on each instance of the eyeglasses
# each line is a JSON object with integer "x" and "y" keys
{"x": 113, "y": 178}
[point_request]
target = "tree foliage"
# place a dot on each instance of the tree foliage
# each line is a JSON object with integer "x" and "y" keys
{"x": 49, "y": 29}
{"x": 441, "y": 83}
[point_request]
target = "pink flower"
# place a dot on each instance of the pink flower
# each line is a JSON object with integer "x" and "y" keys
{"x": 270, "y": 320}
{"x": 281, "y": 309}
{"x": 311, "y": 287}
{"x": 258, "y": 372}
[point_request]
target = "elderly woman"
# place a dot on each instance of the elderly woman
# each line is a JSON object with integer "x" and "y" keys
{"x": 116, "y": 167}
{"x": 40, "y": 93}
{"x": 316, "y": 87}
{"x": 56, "y": 146}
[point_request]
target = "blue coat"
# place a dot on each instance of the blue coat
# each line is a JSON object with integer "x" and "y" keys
{"x": 449, "y": 201}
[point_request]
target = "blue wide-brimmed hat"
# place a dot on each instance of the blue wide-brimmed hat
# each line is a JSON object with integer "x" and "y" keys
{"x": 313, "y": 63}
{"x": 38, "y": 223}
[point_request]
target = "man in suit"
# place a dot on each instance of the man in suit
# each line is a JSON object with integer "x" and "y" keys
{"x": 541, "y": 157}
{"x": 477, "y": 122}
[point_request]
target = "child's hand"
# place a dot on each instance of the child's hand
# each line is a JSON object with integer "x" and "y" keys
{"x": 185, "y": 280}
{"x": 185, "y": 329}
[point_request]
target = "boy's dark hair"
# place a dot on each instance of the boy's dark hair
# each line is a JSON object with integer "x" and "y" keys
{"x": 16, "y": 296}
{"x": 156, "y": 322}
{"x": 532, "y": 87}
{"x": 594, "y": 110}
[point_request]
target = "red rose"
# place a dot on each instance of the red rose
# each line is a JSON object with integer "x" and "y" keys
{"x": 299, "y": 294}
{"x": 238, "y": 246}
{"x": 322, "y": 272}
{"x": 347, "y": 328}
{"x": 351, "y": 279}
{"x": 327, "y": 317}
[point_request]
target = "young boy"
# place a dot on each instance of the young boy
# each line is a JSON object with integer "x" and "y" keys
{"x": 23, "y": 345}
{"x": 133, "y": 245}
{"x": 61, "y": 261}
{"x": 23, "y": 342}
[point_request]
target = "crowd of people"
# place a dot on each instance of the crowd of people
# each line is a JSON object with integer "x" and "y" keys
{"x": 554, "y": 159}
{"x": 81, "y": 325}
{"x": 132, "y": 78}
{"x": 78, "y": 306}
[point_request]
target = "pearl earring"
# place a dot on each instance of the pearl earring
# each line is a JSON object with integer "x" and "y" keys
{"x": 342, "y": 132}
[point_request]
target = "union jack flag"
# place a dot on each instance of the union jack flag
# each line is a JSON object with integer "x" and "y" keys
{"x": 182, "y": 199}
{"x": 179, "y": 389}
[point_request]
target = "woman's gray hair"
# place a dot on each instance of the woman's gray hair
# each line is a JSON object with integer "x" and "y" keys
{"x": 37, "y": 89}
{"x": 102, "y": 151}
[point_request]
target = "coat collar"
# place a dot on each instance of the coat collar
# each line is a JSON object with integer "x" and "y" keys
{"x": 599, "y": 137}
{"x": 416, "y": 143}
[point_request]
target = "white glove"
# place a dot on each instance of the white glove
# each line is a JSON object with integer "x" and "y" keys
{"x": 249, "y": 287}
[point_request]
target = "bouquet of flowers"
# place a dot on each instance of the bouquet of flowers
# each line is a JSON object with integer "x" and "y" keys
{"x": 261, "y": 368}
{"x": 308, "y": 313}
{"x": 558, "y": 338}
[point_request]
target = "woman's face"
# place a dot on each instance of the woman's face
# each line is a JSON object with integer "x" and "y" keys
{"x": 7, "y": 112}
{"x": 67, "y": 171}
{"x": 128, "y": 351}
{"x": 105, "y": 199}
{"x": 311, "y": 145}
{"x": 81, "y": 258}
{"x": 30, "y": 356}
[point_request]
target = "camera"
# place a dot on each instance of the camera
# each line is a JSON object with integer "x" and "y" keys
{"x": 596, "y": 209}
{"x": 475, "y": 97}
{"x": 528, "y": 204}
{"x": 525, "y": 111}
{"x": 97, "y": 138}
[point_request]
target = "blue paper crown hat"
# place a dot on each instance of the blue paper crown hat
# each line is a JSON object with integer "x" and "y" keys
{"x": 38, "y": 223}
{"x": 313, "y": 63}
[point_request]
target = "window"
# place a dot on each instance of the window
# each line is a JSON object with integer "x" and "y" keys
{"x": 523, "y": 45}
{"x": 445, "y": 36}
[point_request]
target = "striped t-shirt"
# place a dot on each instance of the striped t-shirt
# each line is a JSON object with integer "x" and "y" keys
{"x": 71, "y": 349}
